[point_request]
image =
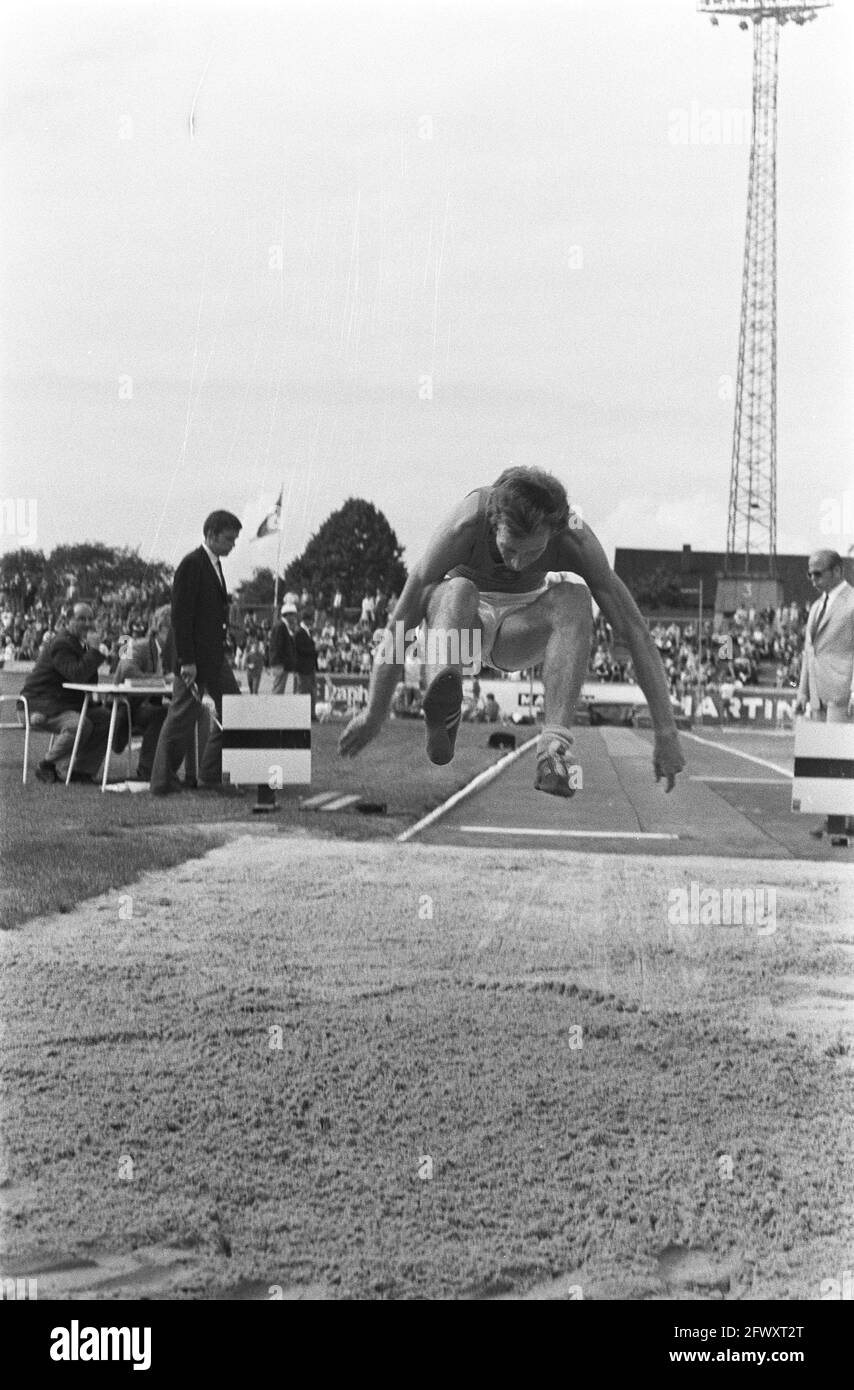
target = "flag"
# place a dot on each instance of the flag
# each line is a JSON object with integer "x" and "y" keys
{"x": 271, "y": 521}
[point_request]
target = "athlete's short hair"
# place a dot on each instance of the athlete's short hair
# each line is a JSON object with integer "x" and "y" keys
{"x": 220, "y": 521}
{"x": 525, "y": 500}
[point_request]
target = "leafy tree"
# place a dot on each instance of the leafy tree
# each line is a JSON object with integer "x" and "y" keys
{"x": 22, "y": 573}
{"x": 259, "y": 591}
{"x": 355, "y": 550}
{"x": 83, "y": 565}
{"x": 92, "y": 570}
{"x": 95, "y": 569}
{"x": 129, "y": 567}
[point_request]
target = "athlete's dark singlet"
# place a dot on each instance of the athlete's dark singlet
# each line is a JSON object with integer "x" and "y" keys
{"x": 485, "y": 568}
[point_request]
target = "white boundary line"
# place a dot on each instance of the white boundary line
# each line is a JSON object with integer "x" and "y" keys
{"x": 576, "y": 834}
{"x": 484, "y": 778}
{"x": 339, "y": 802}
{"x": 481, "y": 780}
{"x": 742, "y": 781}
{"x": 318, "y": 800}
{"x": 737, "y": 753}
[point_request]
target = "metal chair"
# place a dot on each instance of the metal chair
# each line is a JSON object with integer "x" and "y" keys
{"x": 24, "y": 725}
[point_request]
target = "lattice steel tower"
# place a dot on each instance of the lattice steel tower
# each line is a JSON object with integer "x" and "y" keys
{"x": 752, "y": 522}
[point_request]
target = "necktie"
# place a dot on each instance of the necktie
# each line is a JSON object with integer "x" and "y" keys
{"x": 221, "y": 577}
{"x": 817, "y": 624}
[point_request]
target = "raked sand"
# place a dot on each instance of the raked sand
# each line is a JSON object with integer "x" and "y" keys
{"x": 317, "y": 1069}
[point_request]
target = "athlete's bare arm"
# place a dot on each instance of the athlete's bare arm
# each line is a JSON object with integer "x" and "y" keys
{"x": 449, "y": 546}
{"x": 583, "y": 554}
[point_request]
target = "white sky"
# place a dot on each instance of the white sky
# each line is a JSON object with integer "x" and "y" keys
{"x": 433, "y": 174}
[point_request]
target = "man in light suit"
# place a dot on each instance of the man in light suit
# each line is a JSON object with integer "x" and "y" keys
{"x": 827, "y": 667}
{"x": 200, "y": 611}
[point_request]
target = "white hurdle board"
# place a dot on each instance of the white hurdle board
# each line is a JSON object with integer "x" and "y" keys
{"x": 824, "y": 768}
{"x": 267, "y": 739}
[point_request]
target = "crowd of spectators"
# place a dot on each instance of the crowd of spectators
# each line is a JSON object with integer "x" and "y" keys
{"x": 753, "y": 647}
{"x": 121, "y": 616}
{"x": 344, "y": 638}
{"x": 344, "y": 641}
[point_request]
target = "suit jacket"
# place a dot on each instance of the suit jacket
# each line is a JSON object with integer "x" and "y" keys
{"x": 828, "y": 661}
{"x": 306, "y": 653}
{"x": 282, "y": 650}
{"x": 62, "y": 659}
{"x": 199, "y": 617}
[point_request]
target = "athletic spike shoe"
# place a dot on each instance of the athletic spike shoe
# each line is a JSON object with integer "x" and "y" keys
{"x": 443, "y": 708}
{"x": 554, "y": 774}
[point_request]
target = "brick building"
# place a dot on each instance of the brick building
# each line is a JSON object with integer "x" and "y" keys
{"x": 644, "y": 571}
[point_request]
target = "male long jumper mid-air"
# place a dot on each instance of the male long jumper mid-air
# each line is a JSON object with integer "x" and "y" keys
{"x": 483, "y": 575}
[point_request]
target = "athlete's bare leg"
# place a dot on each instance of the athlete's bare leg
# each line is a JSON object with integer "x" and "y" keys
{"x": 555, "y": 631}
{"x": 451, "y": 609}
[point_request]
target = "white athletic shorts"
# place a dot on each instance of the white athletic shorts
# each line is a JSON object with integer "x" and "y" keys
{"x": 492, "y": 610}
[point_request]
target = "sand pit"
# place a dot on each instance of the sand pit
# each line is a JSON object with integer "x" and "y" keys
{"x": 307, "y": 1068}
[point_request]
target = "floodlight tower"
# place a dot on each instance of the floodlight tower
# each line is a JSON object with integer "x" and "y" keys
{"x": 752, "y": 521}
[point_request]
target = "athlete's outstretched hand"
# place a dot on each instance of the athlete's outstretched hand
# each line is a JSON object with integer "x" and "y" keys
{"x": 667, "y": 758}
{"x": 358, "y": 733}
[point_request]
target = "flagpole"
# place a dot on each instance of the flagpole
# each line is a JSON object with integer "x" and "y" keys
{"x": 278, "y": 555}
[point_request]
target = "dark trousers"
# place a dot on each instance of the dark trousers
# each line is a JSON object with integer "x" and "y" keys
{"x": 149, "y": 717}
{"x": 305, "y": 686}
{"x": 179, "y": 728}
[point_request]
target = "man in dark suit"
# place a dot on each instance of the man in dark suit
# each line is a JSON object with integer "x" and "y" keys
{"x": 73, "y": 655}
{"x": 306, "y": 660}
{"x": 199, "y": 632}
{"x": 283, "y": 657}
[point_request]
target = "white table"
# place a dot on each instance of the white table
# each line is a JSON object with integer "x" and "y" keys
{"x": 118, "y": 694}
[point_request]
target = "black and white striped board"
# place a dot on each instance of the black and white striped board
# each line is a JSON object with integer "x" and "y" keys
{"x": 266, "y": 739}
{"x": 824, "y": 768}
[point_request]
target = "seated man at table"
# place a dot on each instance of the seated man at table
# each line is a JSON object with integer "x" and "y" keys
{"x": 147, "y": 660}
{"x": 73, "y": 655}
